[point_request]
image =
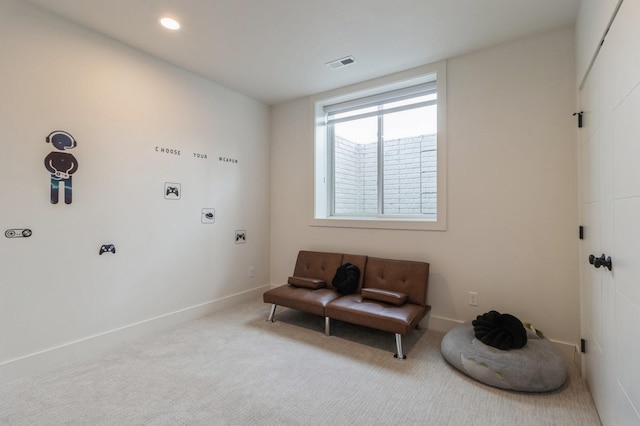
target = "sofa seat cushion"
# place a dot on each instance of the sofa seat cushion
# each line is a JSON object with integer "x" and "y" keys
{"x": 356, "y": 309}
{"x": 303, "y": 282}
{"x": 387, "y": 296}
{"x": 302, "y": 299}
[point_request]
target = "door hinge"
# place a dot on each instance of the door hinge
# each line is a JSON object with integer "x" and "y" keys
{"x": 581, "y": 232}
{"x": 579, "y": 114}
{"x": 583, "y": 346}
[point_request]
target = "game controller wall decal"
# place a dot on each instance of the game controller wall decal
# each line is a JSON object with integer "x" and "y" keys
{"x": 208, "y": 216}
{"x": 172, "y": 191}
{"x": 61, "y": 165}
{"x": 107, "y": 248}
{"x": 18, "y": 233}
{"x": 241, "y": 237}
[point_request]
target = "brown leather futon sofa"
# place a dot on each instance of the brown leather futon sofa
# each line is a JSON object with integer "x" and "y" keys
{"x": 391, "y": 294}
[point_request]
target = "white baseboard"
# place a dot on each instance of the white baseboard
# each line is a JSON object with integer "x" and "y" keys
{"x": 442, "y": 325}
{"x": 569, "y": 352}
{"x": 439, "y": 324}
{"x": 93, "y": 345}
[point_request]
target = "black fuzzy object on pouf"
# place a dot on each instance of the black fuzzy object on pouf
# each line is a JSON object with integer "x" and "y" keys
{"x": 502, "y": 331}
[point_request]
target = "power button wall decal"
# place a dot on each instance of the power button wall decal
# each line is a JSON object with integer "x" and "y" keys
{"x": 18, "y": 233}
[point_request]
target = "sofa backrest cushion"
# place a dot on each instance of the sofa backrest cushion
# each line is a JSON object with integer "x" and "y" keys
{"x": 403, "y": 276}
{"x": 318, "y": 265}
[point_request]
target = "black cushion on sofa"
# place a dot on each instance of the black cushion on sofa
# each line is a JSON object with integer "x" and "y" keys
{"x": 502, "y": 331}
{"x": 346, "y": 279}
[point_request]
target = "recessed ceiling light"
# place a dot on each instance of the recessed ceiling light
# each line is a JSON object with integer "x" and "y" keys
{"x": 170, "y": 23}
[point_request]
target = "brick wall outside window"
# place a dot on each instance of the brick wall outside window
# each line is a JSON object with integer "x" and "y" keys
{"x": 410, "y": 166}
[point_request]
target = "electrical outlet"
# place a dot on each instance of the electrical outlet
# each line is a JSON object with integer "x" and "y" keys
{"x": 251, "y": 272}
{"x": 473, "y": 298}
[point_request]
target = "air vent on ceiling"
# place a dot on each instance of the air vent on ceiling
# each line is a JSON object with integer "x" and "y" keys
{"x": 339, "y": 63}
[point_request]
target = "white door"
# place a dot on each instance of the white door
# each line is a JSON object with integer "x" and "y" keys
{"x": 610, "y": 214}
{"x": 596, "y": 283}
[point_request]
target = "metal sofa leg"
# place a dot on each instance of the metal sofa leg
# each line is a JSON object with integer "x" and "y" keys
{"x": 399, "y": 355}
{"x": 272, "y": 314}
{"x": 327, "y": 326}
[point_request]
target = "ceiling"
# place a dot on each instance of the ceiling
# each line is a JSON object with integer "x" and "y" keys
{"x": 276, "y": 50}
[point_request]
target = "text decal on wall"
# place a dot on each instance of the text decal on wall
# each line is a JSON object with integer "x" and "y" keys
{"x": 178, "y": 152}
{"x": 228, "y": 160}
{"x": 171, "y": 151}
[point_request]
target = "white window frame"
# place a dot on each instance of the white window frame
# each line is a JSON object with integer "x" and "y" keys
{"x": 321, "y": 208}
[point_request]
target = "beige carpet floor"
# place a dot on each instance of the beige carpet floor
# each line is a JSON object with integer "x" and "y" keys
{"x": 234, "y": 368}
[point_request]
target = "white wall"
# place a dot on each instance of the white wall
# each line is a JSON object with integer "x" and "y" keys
{"x": 512, "y": 227}
{"x": 56, "y": 292}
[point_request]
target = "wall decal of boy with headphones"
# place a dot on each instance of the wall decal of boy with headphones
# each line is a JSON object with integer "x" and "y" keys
{"x": 61, "y": 165}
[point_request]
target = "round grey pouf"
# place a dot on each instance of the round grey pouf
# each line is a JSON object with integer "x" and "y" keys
{"x": 537, "y": 367}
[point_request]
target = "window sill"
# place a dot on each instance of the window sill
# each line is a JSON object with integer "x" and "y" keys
{"x": 377, "y": 223}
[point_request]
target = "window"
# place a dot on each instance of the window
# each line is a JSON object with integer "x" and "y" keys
{"x": 379, "y": 157}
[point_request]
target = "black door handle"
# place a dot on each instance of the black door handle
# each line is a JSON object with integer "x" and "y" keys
{"x": 600, "y": 261}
